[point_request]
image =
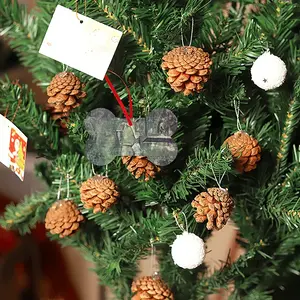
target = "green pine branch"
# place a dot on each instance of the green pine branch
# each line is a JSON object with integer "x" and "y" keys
{"x": 283, "y": 203}
{"x": 149, "y": 22}
{"x": 240, "y": 56}
{"x": 247, "y": 277}
{"x": 266, "y": 200}
{"x": 120, "y": 12}
{"x": 24, "y": 33}
{"x": 36, "y": 124}
{"x": 105, "y": 256}
{"x": 118, "y": 252}
{"x": 24, "y": 216}
{"x": 256, "y": 294}
{"x": 278, "y": 21}
{"x": 76, "y": 131}
{"x": 229, "y": 273}
{"x": 204, "y": 166}
{"x": 79, "y": 169}
{"x": 217, "y": 28}
{"x": 68, "y": 171}
{"x": 291, "y": 123}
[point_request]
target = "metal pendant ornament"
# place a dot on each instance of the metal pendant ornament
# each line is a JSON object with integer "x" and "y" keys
{"x": 268, "y": 71}
{"x": 149, "y": 137}
{"x": 143, "y": 143}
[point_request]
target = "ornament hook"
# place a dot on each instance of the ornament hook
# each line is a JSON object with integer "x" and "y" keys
{"x": 85, "y": 5}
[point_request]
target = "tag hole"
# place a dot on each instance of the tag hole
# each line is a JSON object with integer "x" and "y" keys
{"x": 81, "y": 21}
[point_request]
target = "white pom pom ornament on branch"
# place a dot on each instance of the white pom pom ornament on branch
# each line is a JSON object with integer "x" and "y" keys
{"x": 268, "y": 71}
{"x": 188, "y": 251}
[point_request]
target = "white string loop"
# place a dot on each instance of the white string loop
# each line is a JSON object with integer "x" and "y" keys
{"x": 218, "y": 182}
{"x": 59, "y": 188}
{"x": 237, "y": 113}
{"x": 93, "y": 170}
{"x": 175, "y": 214}
{"x": 192, "y": 32}
{"x": 68, "y": 186}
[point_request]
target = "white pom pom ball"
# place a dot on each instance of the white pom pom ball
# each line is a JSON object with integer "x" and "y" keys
{"x": 188, "y": 251}
{"x": 268, "y": 71}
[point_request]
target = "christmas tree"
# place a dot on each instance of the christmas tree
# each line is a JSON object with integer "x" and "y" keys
{"x": 237, "y": 138}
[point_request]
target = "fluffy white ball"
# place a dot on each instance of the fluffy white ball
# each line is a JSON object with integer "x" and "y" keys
{"x": 268, "y": 71}
{"x": 188, "y": 250}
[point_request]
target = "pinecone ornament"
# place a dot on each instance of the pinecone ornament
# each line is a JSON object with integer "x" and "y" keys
{"x": 188, "y": 69}
{"x": 245, "y": 151}
{"x": 63, "y": 218}
{"x": 65, "y": 93}
{"x": 99, "y": 193}
{"x": 215, "y": 206}
{"x": 140, "y": 165}
{"x": 151, "y": 288}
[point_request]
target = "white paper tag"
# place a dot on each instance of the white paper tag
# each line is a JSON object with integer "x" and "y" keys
{"x": 13, "y": 147}
{"x": 87, "y": 46}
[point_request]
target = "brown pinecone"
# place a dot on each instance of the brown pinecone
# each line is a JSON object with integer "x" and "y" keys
{"x": 245, "y": 151}
{"x": 140, "y": 165}
{"x": 99, "y": 193}
{"x": 188, "y": 69}
{"x": 63, "y": 218}
{"x": 64, "y": 94}
{"x": 151, "y": 288}
{"x": 215, "y": 206}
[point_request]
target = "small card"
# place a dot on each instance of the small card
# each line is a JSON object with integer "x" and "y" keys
{"x": 80, "y": 42}
{"x": 12, "y": 147}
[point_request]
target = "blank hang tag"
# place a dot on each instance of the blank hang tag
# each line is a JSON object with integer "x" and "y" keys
{"x": 84, "y": 44}
{"x": 13, "y": 147}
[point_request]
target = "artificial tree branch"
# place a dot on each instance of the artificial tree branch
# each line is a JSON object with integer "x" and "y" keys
{"x": 290, "y": 124}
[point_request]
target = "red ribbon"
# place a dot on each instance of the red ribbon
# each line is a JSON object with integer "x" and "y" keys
{"x": 127, "y": 115}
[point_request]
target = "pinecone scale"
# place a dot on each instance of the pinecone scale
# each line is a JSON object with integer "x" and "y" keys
{"x": 151, "y": 288}
{"x": 63, "y": 218}
{"x": 139, "y": 166}
{"x": 245, "y": 151}
{"x": 213, "y": 206}
{"x": 65, "y": 93}
{"x": 99, "y": 193}
{"x": 188, "y": 68}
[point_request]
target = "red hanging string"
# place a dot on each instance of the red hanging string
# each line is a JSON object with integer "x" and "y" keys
{"x": 127, "y": 115}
